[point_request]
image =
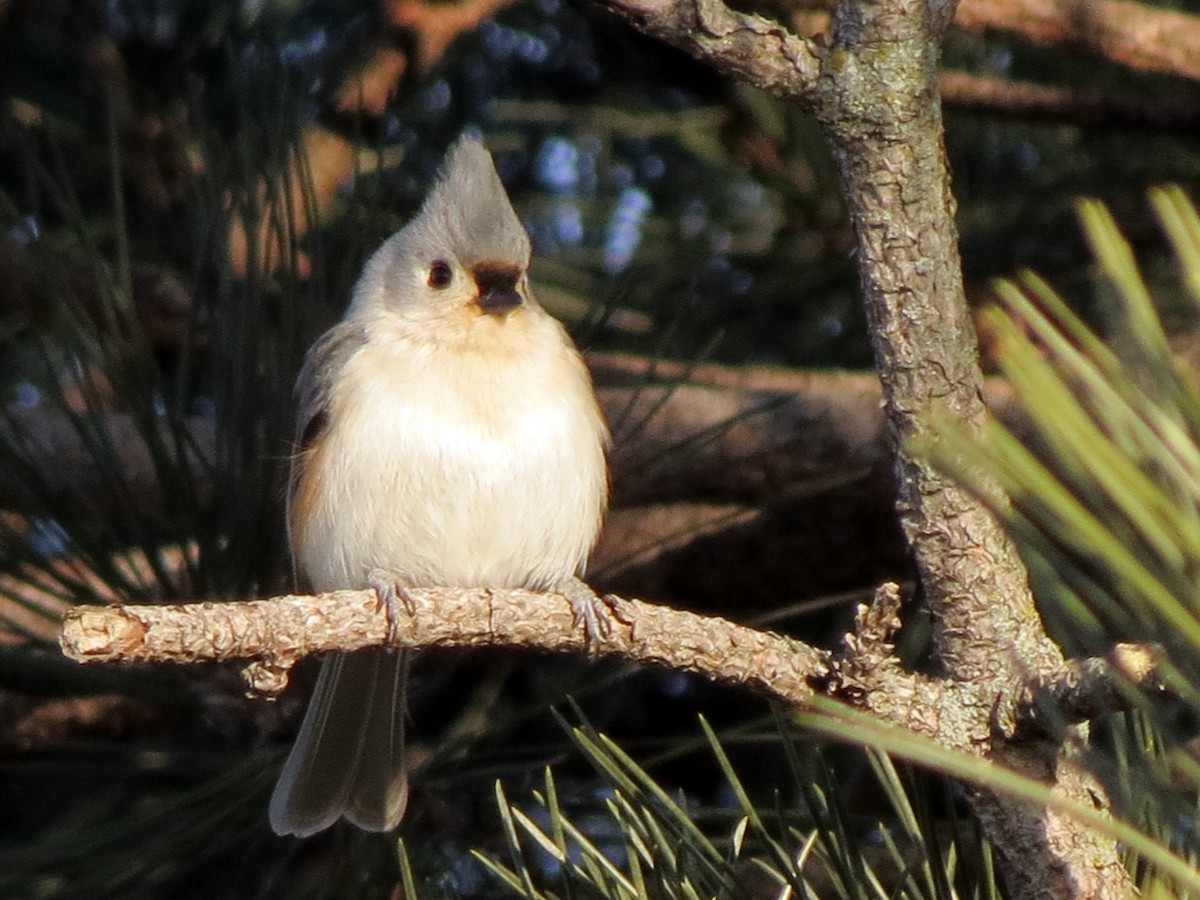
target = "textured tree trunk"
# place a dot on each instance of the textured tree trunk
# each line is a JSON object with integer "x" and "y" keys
{"x": 872, "y": 83}
{"x": 882, "y": 115}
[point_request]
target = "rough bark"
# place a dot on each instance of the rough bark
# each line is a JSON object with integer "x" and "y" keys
{"x": 272, "y": 635}
{"x": 873, "y": 86}
{"x": 276, "y": 633}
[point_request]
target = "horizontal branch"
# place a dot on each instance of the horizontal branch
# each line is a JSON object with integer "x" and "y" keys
{"x": 745, "y": 46}
{"x": 276, "y": 633}
{"x": 272, "y": 635}
{"x": 1140, "y": 36}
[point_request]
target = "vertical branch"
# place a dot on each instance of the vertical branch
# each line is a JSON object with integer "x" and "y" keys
{"x": 883, "y": 117}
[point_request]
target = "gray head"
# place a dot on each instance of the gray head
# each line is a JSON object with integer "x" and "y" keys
{"x": 466, "y": 240}
{"x": 469, "y": 208}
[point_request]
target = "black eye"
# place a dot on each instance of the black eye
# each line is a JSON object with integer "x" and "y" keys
{"x": 440, "y": 273}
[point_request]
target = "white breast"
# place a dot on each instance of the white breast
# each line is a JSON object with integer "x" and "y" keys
{"x": 476, "y": 464}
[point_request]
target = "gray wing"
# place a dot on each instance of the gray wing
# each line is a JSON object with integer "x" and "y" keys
{"x": 314, "y": 388}
{"x": 348, "y": 757}
{"x": 322, "y": 365}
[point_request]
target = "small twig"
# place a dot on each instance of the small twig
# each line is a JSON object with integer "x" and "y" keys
{"x": 868, "y": 675}
{"x": 274, "y": 634}
{"x": 875, "y": 624}
{"x": 747, "y": 46}
{"x": 867, "y": 651}
{"x": 1086, "y": 689}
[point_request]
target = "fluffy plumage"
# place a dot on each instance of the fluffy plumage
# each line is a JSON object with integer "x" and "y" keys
{"x": 449, "y": 436}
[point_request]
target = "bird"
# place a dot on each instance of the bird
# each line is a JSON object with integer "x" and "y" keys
{"x": 448, "y": 435}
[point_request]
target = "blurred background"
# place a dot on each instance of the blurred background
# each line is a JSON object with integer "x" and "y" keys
{"x": 187, "y": 193}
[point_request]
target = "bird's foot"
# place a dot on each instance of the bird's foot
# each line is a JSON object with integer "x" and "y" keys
{"x": 593, "y": 612}
{"x": 392, "y": 597}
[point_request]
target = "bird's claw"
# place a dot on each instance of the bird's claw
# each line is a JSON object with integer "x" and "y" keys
{"x": 590, "y": 610}
{"x": 391, "y": 595}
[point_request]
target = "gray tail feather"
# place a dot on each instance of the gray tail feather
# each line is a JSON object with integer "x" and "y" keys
{"x": 348, "y": 758}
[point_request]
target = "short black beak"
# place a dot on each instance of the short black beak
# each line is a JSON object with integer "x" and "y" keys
{"x": 497, "y": 283}
{"x": 499, "y": 300}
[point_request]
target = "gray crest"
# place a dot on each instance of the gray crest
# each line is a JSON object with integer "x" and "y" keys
{"x": 468, "y": 211}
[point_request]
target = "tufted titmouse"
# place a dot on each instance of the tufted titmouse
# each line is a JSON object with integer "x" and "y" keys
{"x": 448, "y": 434}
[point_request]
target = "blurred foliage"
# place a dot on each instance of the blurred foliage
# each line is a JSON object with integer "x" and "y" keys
{"x": 673, "y": 214}
{"x": 1101, "y": 491}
